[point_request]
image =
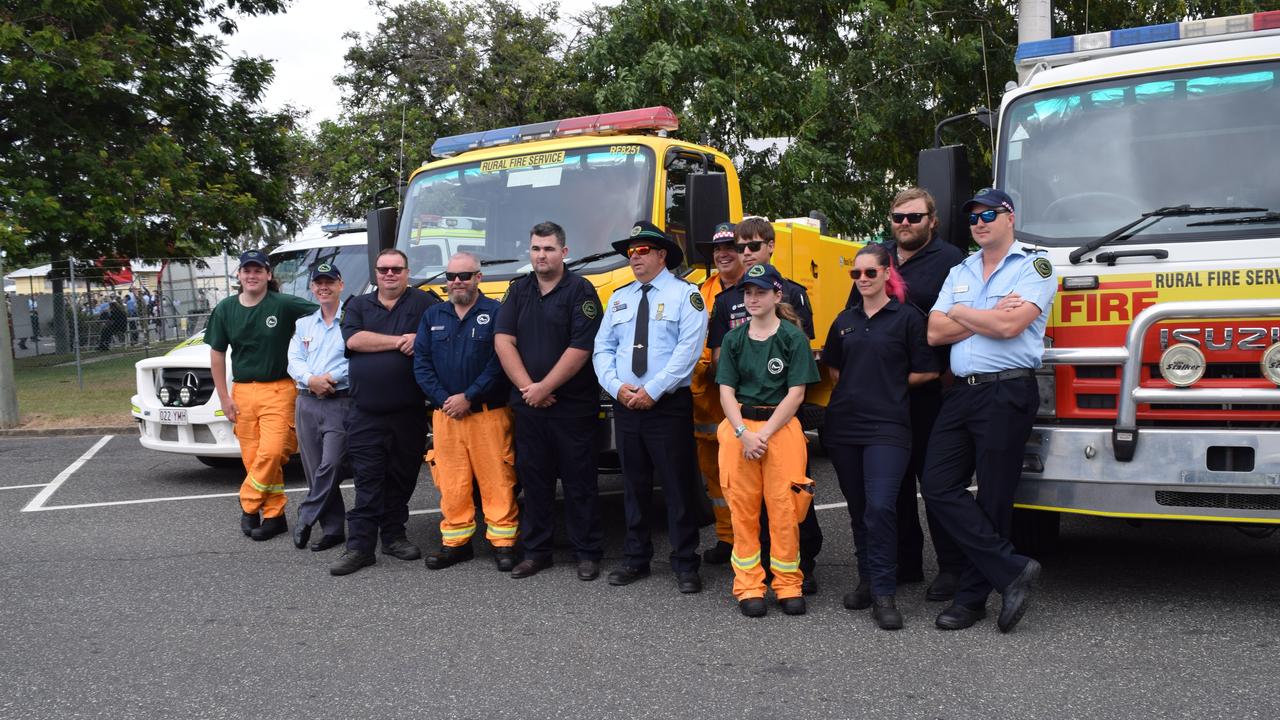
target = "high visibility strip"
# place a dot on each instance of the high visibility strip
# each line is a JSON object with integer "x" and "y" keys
{"x": 464, "y": 532}
{"x": 781, "y": 566}
{"x": 745, "y": 563}
{"x": 268, "y": 489}
{"x": 502, "y": 531}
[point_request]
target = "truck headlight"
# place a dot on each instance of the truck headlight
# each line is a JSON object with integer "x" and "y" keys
{"x": 166, "y": 394}
{"x": 1271, "y": 363}
{"x": 186, "y": 395}
{"x": 1182, "y": 365}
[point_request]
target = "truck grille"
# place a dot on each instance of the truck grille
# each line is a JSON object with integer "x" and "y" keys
{"x": 1226, "y": 501}
{"x": 175, "y": 377}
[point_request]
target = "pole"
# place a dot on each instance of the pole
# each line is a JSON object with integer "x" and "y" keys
{"x": 8, "y": 385}
{"x": 75, "y": 323}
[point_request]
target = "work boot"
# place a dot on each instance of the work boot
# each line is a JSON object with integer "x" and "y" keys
{"x": 350, "y": 561}
{"x": 860, "y": 598}
{"x": 719, "y": 554}
{"x": 884, "y": 610}
{"x": 403, "y": 549}
{"x": 448, "y": 555}
{"x": 503, "y": 557}
{"x": 270, "y": 528}
{"x": 793, "y": 605}
{"x": 753, "y": 607}
{"x": 248, "y": 523}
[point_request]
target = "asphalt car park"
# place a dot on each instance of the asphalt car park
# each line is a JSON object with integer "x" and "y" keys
{"x": 128, "y": 591}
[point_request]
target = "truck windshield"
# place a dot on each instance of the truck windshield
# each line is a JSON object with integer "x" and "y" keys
{"x": 488, "y": 207}
{"x": 292, "y": 268}
{"x": 1083, "y": 160}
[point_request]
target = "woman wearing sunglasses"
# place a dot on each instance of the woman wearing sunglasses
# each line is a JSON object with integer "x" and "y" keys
{"x": 763, "y": 369}
{"x": 876, "y": 350}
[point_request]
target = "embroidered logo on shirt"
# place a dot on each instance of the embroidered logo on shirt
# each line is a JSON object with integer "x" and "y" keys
{"x": 482, "y": 319}
{"x": 590, "y": 310}
{"x": 695, "y": 299}
{"x": 775, "y": 364}
{"x": 272, "y": 321}
{"x": 1042, "y": 266}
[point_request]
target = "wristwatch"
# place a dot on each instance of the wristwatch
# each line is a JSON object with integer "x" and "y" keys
{"x": 737, "y": 432}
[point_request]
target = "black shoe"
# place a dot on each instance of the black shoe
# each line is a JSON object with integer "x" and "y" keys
{"x": 403, "y": 549}
{"x": 327, "y": 541}
{"x": 1016, "y": 597}
{"x": 958, "y": 617}
{"x": 884, "y": 610}
{"x": 248, "y": 523}
{"x": 753, "y": 607}
{"x": 809, "y": 585}
{"x": 626, "y": 575}
{"x": 448, "y": 556}
{"x": 942, "y": 588}
{"x": 588, "y": 570}
{"x": 270, "y": 528}
{"x": 503, "y": 557}
{"x": 688, "y": 582}
{"x": 350, "y": 561}
{"x": 719, "y": 554}
{"x": 860, "y": 597}
{"x": 301, "y": 534}
{"x": 528, "y": 567}
{"x": 793, "y": 606}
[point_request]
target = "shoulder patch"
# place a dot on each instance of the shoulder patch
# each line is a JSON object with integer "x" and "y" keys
{"x": 695, "y": 299}
{"x": 590, "y": 310}
{"x": 1042, "y": 266}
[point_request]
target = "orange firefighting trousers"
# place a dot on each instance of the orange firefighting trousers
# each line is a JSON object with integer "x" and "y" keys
{"x": 479, "y": 446}
{"x": 778, "y": 480}
{"x": 709, "y": 464}
{"x": 265, "y": 430}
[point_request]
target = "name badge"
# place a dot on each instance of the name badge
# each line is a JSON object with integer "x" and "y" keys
{"x": 434, "y": 328}
{"x": 619, "y": 306}
{"x": 962, "y": 288}
{"x": 660, "y": 310}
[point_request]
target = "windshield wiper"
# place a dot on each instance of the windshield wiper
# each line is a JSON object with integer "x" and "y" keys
{"x": 1154, "y": 216}
{"x": 1270, "y": 217}
{"x": 590, "y": 259}
{"x": 483, "y": 263}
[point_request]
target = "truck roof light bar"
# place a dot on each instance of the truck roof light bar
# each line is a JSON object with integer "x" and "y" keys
{"x": 656, "y": 118}
{"x": 1060, "y": 48}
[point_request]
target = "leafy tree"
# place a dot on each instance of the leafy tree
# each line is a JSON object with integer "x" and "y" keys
{"x": 125, "y": 131}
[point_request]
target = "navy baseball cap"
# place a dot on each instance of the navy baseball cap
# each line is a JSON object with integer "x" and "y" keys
{"x": 991, "y": 197}
{"x": 325, "y": 270}
{"x": 764, "y": 276}
{"x": 255, "y": 256}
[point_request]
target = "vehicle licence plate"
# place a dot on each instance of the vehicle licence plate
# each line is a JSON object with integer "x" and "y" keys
{"x": 170, "y": 416}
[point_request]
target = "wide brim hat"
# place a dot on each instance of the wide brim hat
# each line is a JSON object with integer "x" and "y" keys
{"x": 648, "y": 232}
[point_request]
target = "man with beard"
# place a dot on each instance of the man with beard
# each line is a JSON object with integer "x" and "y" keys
{"x": 458, "y": 370}
{"x": 923, "y": 261}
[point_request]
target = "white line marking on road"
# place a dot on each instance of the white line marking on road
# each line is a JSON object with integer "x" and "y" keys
{"x": 37, "y": 502}
{"x": 828, "y": 506}
{"x": 429, "y": 511}
{"x": 144, "y": 501}
{"x": 20, "y": 487}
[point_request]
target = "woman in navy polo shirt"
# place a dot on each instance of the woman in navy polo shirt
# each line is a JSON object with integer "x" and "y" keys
{"x": 875, "y": 349}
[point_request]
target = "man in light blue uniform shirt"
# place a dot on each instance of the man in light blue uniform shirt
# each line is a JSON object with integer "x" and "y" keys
{"x": 650, "y": 338}
{"x": 318, "y": 364}
{"x": 992, "y": 310}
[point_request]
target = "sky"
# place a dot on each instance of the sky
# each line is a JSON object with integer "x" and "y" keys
{"x": 307, "y": 46}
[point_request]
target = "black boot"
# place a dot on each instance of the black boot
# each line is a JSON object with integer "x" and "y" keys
{"x": 270, "y": 528}
{"x": 248, "y": 523}
{"x": 884, "y": 610}
{"x": 447, "y": 556}
{"x": 504, "y": 558}
{"x": 860, "y": 598}
{"x": 719, "y": 554}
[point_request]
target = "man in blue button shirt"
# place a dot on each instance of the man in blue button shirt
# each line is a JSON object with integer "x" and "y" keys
{"x": 318, "y": 364}
{"x": 649, "y": 341}
{"x": 992, "y": 310}
{"x": 455, "y": 365}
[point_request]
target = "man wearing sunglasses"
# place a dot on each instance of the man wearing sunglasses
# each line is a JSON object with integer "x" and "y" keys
{"x": 387, "y": 423}
{"x": 458, "y": 370}
{"x": 924, "y": 261}
{"x": 992, "y": 310}
{"x": 754, "y": 238}
{"x": 650, "y": 338}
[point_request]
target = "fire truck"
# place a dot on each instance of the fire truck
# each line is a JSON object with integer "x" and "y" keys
{"x": 1145, "y": 164}
{"x": 595, "y": 176}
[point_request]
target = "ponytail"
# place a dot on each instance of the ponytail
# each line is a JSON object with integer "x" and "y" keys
{"x": 894, "y": 285}
{"x": 784, "y": 311}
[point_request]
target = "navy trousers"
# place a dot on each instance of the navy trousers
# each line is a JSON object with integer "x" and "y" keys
{"x": 548, "y": 448}
{"x": 869, "y": 477}
{"x": 386, "y": 454}
{"x": 925, "y": 402}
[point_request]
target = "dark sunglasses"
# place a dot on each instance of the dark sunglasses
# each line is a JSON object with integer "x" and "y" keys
{"x": 753, "y": 246}
{"x": 396, "y": 270}
{"x": 640, "y": 250}
{"x": 871, "y": 273}
{"x": 987, "y": 216}
{"x": 463, "y": 276}
{"x": 910, "y": 218}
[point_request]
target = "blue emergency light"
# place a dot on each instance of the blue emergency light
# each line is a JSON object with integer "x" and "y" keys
{"x": 1166, "y": 32}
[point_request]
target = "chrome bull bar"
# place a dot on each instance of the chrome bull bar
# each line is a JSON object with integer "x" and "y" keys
{"x": 1124, "y": 436}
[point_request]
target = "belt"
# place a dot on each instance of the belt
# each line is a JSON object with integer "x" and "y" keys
{"x": 758, "y": 412}
{"x": 331, "y": 396}
{"x": 984, "y": 378}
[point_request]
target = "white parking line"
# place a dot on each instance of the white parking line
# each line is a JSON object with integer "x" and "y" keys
{"x": 21, "y": 487}
{"x": 144, "y": 501}
{"x": 37, "y": 502}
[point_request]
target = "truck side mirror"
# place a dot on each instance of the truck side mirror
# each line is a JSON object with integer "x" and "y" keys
{"x": 944, "y": 172}
{"x": 707, "y": 201}
{"x": 380, "y": 225}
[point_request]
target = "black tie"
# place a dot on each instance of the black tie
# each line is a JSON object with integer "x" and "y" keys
{"x": 640, "y": 351}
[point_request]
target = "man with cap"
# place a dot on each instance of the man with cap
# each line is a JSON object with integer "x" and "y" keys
{"x": 649, "y": 340}
{"x": 923, "y": 260}
{"x": 258, "y": 324}
{"x": 458, "y": 370}
{"x": 725, "y": 271}
{"x": 387, "y": 420}
{"x": 546, "y": 330}
{"x": 755, "y": 241}
{"x": 318, "y": 365}
{"x": 992, "y": 310}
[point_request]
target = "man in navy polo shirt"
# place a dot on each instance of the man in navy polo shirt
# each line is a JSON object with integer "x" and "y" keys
{"x": 545, "y": 334}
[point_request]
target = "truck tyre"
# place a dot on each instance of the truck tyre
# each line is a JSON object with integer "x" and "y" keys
{"x": 220, "y": 463}
{"x": 1034, "y": 532}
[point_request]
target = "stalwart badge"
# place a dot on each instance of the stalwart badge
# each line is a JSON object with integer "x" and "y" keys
{"x": 695, "y": 299}
{"x": 590, "y": 310}
{"x": 636, "y": 230}
{"x": 1042, "y": 266}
